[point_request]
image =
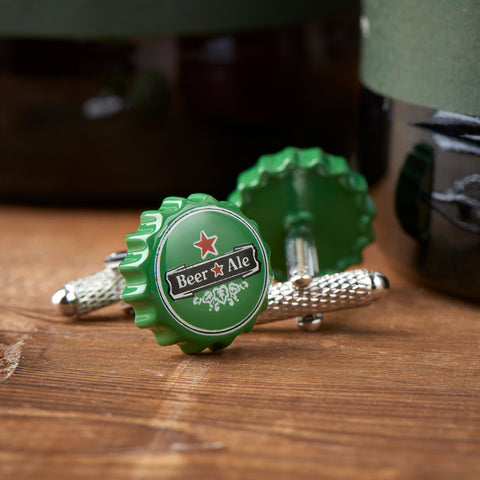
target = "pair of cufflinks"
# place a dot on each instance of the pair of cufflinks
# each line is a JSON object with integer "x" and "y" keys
{"x": 198, "y": 271}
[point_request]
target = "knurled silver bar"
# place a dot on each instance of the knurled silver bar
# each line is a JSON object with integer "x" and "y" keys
{"x": 327, "y": 293}
{"x": 323, "y": 294}
{"x": 90, "y": 293}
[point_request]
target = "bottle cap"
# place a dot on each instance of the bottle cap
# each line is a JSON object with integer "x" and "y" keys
{"x": 197, "y": 273}
{"x": 307, "y": 188}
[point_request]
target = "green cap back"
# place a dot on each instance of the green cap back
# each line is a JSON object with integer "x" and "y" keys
{"x": 309, "y": 188}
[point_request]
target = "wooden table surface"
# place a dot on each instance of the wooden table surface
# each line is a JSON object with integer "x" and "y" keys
{"x": 390, "y": 391}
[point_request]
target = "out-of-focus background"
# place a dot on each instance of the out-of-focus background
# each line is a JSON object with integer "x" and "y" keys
{"x": 122, "y": 103}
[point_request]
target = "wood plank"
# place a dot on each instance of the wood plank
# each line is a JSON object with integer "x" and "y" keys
{"x": 384, "y": 392}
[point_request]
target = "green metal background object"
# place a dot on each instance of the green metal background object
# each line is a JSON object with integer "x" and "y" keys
{"x": 308, "y": 188}
{"x": 197, "y": 273}
{"x": 423, "y": 52}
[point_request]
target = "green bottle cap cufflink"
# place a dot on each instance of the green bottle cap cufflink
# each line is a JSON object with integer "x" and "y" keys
{"x": 311, "y": 193}
{"x": 197, "y": 271}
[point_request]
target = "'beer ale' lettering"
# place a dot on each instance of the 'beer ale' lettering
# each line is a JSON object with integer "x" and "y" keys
{"x": 184, "y": 280}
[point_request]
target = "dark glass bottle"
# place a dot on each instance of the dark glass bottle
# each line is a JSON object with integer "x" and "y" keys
{"x": 130, "y": 122}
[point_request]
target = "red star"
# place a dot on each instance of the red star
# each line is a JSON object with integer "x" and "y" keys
{"x": 206, "y": 244}
{"x": 217, "y": 269}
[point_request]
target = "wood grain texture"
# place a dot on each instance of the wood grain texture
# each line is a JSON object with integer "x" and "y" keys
{"x": 390, "y": 391}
